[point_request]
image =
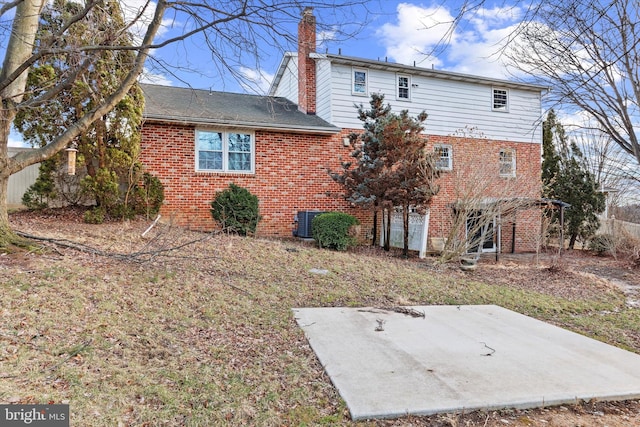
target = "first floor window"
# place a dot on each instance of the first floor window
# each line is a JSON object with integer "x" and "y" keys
{"x": 224, "y": 151}
{"x": 444, "y": 158}
{"x": 507, "y": 162}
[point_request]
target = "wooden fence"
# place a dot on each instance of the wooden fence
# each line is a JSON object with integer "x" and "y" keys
{"x": 615, "y": 227}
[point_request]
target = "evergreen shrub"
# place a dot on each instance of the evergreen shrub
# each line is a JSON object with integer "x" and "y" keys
{"x": 332, "y": 230}
{"x": 236, "y": 209}
{"x": 148, "y": 196}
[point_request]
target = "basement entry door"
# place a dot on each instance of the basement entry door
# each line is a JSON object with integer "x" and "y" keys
{"x": 477, "y": 226}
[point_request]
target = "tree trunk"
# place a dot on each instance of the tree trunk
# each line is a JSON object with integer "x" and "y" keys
{"x": 572, "y": 240}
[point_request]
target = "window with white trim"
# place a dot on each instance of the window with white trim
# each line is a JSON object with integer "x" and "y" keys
{"x": 444, "y": 157}
{"x": 500, "y": 100}
{"x": 224, "y": 151}
{"x": 402, "y": 88}
{"x": 507, "y": 162}
{"x": 359, "y": 83}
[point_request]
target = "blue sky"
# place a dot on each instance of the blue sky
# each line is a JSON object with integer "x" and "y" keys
{"x": 403, "y": 32}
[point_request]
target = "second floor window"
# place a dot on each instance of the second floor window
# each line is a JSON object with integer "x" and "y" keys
{"x": 224, "y": 151}
{"x": 403, "y": 88}
{"x": 444, "y": 157}
{"x": 500, "y": 100}
{"x": 507, "y": 162}
{"x": 359, "y": 82}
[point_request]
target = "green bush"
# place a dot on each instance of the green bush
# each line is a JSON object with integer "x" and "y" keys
{"x": 236, "y": 209}
{"x": 332, "y": 230}
{"x": 602, "y": 243}
{"x": 105, "y": 187}
{"x": 148, "y": 196}
{"x": 95, "y": 215}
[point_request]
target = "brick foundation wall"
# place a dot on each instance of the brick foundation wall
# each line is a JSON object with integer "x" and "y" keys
{"x": 291, "y": 175}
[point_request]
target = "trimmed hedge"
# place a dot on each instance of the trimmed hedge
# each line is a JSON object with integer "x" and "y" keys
{"x": 331, "y": 230}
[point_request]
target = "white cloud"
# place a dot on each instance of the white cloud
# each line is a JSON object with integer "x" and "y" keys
{"x": 417, "y": 31}
{"x": 255, "y": 81}
{"x": 575, "y": 119}
{"x": 325, "y": 36}
{"x": 473, "y": 47}
{"x": 152, "y": 78}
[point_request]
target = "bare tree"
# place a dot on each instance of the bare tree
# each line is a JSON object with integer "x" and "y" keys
{"x": 610, "y": 165}
{"x": 588, "y": 53}
{"x": 233, "y": 31}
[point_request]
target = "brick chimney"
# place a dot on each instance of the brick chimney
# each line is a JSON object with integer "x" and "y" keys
{"x": 307, "y": 65}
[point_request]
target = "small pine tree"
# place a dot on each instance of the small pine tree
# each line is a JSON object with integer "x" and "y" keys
{"x": 360, "y": 177}
{"x": 43, "y": 190}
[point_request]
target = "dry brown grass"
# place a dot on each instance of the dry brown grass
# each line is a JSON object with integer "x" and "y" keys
{"x": 204, "y": 335}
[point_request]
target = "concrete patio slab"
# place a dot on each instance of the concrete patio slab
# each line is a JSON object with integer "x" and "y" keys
{"x": 387, "y": 364}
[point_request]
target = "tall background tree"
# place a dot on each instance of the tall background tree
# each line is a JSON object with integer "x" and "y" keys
{"x": 566, "y": 176}
{"x": 391, "y": 167}
{"x": 232, "y": 31}
{"x": 109, "y": 148}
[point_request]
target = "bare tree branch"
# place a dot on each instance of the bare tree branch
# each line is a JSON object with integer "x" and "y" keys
{"x": 588, "y": 52}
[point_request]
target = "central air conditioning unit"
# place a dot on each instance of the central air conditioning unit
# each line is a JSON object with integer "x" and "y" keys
{"x": 304, "y": 218}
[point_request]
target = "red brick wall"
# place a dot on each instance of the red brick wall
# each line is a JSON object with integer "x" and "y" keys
{"x": 291, "y": 175}
{"x": 475, "y": 176}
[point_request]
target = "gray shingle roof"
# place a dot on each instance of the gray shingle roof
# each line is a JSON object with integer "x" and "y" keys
{"x": 204, "y": 107}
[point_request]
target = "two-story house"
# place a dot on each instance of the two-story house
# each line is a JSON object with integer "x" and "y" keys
{"x": 485, "y": 131}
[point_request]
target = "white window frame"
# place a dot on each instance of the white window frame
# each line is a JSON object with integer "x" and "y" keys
{"x": 449, "y": 149}
{"x": 503, "y": 163}
{"x": 398, "y": 87}
{"x": 225, "y": 150}
{"x": 500, "y": 99}
{"x": 364, "y": 86}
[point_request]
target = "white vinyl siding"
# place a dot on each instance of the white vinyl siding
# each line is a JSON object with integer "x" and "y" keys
{"x": 288, "y": 85}
{"x": 323, "y": 89}
{"x": 451, "y": 105}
